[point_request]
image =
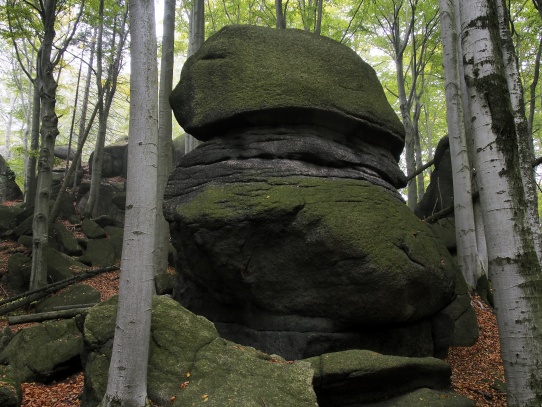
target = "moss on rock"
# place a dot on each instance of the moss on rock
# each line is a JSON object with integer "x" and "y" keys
{"x": 336, "y": 248}
{"x": 248, "y": 75}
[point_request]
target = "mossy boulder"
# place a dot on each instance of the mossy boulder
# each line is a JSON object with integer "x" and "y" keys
{"x": 19, "y": 270}
{"x": 92, "y": 230}
{"x": 74, "y": 295}
{"x": 247, "y": 76}
{"x": 341, "y": 249}
{"x": 44, "y": 352}
{"x": 190, "y": 364}
{"x": 64, "y": 240}
{"x": 61, "y": 266}
{"x": 361, "y": 377}
{"x": 10, "y": 390}
{"x": 100, "y": 253}
{"x": 8, "y": 218}
{"x": 310, "y": 255}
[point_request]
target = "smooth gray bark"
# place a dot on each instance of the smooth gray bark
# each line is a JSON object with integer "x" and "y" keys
{"x": 465, "y": 227}
{"x": 514, "y": 268}
{"x": 197, "y": 37}
{"x": 127, "y": 380}
{"x": 165, "y": 158}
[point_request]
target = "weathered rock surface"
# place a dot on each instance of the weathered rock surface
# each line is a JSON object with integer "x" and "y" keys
{"x": 9, "y": 190}
{"x": 44, "y": 351}
{"x": 440, "y": 191}
{"x": 291, "y": 235}
{"x": 241, "y": 77}
{"x": 310, "y": 255}
{"x": 111, "y": 202}
{"x": 74, "y": 295}
{"x": 8, "y": 218}
{"x": 114, "y": 160}
{"x": 360, "y": 377}
{"x": 188, "y": 360}
{"x": 19, "y": 269}
{"x": 10, "y": 391}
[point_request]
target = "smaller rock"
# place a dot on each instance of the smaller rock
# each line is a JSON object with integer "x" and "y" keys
{"x": 359, "y": 376}
{"x": 44, "y": 352}
{"x": 10, "y": 391}
{"x": 8, "y": 218}
{"x": 164, "y": 283}
{"x": 65, "y": 240}
{"x": 61, "y": 266}
{"x": 92, "y": 230}
{"x": 9, "y": 190}
{"x": 25, "y": 240}
{"x": 74, "y": 295}
{"x": 19, "y": 268}
{"x": 188, "y": 360}
{"x": 100, "y": 253}
{"x": 426, "y": 398}
{"x": 5, "y": 337}
{"x": 116, "y": 235}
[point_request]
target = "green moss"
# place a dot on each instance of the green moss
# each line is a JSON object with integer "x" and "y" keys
{"x": 247, "y": 74}
{"x": 362, "y": 216}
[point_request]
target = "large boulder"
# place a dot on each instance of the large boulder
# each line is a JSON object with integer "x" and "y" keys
{"x": 290, "y": 232}
{"x": 190, "y": 364}
{"x": 247, "y": 75}
{"x": 313, "y": 256}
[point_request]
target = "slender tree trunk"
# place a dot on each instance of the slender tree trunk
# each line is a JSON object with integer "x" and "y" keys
{"x": 410, "y": 137}
{"x": 27, "y": 108}
{"x": 84, "y": 108}
{"x": 73, "y": 114}
{"x": 197, "y": 37}
{"x": 465, "y": 227}
{"x": 49, "y": 130}
{"x": 9, "y": 123}
{"x": 513, "y": 265}
{"x": 73, "y": 167}
{"x": 281, "y": 18}
{"x": 319, "y": 11}
{"x": 97, "y": 158}
{"x": 107, "y": 89}
{"x": 420, "y": 187}
{"x": 164, "y": 133}
{"x": 127, "y": 381}
{"x": 30, "y": 176}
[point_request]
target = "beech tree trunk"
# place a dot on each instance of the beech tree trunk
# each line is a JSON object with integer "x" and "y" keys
{"x": 165, "y": 158}
{"x": 49, "y": 130}
{"x": 84, "y": 107}
{"x": 465, "y": 228}
{"x": 197, "y": 37}
{"x": 514, "y": 268}
{"x": 127, "y": 381}
{"x": 30, "y": 174}
{"x": 9, "y": 122}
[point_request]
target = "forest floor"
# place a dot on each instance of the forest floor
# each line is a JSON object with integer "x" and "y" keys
{"x": 477, "y": 371}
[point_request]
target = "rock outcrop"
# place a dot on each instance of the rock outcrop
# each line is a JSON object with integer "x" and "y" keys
{"x": 190, "y": 364}
{"x": 9, "y": 190}
{"x": 290, "y": 232}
